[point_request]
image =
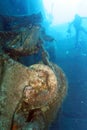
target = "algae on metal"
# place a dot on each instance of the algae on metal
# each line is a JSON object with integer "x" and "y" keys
{"x": 24, "y": 89}
{"x": 30, "y": 97}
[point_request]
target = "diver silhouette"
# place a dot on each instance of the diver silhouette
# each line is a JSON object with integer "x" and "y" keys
{"x": 77, "y": 24}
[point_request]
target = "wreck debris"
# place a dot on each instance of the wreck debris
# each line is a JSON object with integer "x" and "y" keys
{"x": 46, "y": 37}
{"x": 21, "y": 37}
{"x": 45, "y": 57}
{"x": 23, "y": 41}
{"x": 43, "y": 95}
{"x": 11, "y": 88}
{"x": 16, "y": 23}
{"x": 38, "y": 91}
{"x": 30, "y": 97}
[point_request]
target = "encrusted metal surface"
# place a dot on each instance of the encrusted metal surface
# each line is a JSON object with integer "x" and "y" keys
{"x": 30, "y": 94}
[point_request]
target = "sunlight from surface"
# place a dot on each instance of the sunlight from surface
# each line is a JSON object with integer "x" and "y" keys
{"x": 62, "y": 11}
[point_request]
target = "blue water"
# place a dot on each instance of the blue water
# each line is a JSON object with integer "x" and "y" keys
{"x": 73, "y": 115}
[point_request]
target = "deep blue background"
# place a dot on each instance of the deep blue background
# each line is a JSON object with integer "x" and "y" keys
{"x": 73, "y": 115}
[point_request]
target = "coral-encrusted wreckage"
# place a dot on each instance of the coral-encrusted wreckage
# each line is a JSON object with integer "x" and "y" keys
{"x": 30, "y": 97}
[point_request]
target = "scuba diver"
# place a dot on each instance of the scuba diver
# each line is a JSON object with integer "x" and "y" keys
{"x": 77, "y": 24}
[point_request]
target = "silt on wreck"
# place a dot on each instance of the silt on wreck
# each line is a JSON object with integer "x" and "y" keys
{"x": 30, "y": 96}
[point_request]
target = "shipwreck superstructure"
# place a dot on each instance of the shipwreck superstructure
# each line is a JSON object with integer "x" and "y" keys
{"x": 30, "y": 97}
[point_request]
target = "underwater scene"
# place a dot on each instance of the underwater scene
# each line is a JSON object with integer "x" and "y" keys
{"x": 43, "y": 65}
